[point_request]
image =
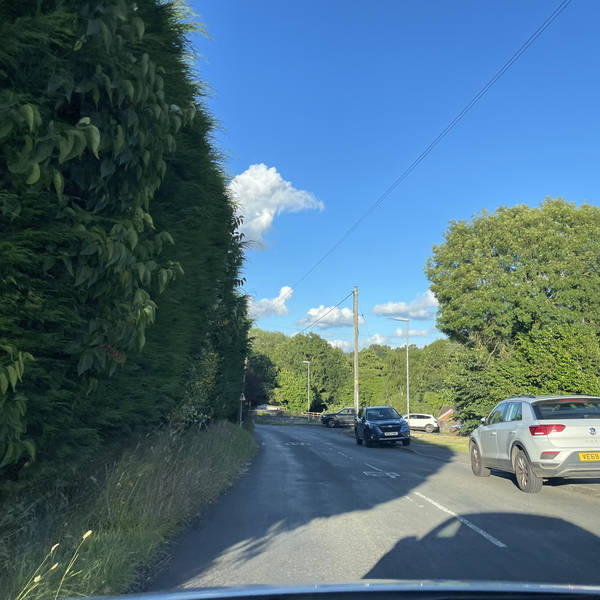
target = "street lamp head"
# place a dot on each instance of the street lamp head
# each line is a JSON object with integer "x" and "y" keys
{"x": 306, "y": 362}
{"x": 400, "y": 319}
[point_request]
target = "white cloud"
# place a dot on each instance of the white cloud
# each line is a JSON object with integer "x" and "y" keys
{"x": 338, "y": 317}
{"x": 419, "y": 309}
{"x": 377, "y": 339}
{"x": 400, "y": 332}
{"x": 261, "y": 194}
{"x": 344, "y": 345}
{"x": 271, "y": 306}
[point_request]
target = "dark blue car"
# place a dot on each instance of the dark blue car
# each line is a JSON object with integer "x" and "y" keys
{"x": 381, "y": 424}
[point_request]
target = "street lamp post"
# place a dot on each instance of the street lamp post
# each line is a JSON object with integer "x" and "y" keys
{"x": 407, "y": 393}
{"x": 307, "y": 362}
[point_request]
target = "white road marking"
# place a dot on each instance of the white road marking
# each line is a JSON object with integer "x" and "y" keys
{"x": 490, "y": 538}
{"x": 372, "y": 467}
{"x": 345, "y": 455}
{"x": 380, "y": 473}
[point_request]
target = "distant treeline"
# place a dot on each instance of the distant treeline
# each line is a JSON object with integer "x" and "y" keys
{"x": 119, "y": 251}
{"x": 276, "y": 373}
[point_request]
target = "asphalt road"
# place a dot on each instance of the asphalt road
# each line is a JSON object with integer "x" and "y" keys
{"x": 315, "y": 508}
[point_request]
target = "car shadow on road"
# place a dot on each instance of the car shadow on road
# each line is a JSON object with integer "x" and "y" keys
{"x": 587, "y": 486}
{"x": 296, "y": 478}
{"x": 530, "y": 548}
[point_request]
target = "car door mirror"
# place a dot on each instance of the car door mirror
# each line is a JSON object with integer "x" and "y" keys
{"x": 483, "y": 420}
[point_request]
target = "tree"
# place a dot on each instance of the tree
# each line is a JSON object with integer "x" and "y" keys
{"x": 550, "y": 360}
{"x": 519, "y": 289}
{"x": 504, "y": 273}
{"x": 329, "y": 369}
{"x": 559, "y": 359}
{"x": 261, "y": 379}
{"x": 371, "y": 367}
{"x": 330, "y": 373}
{"x": 292, "y": 391}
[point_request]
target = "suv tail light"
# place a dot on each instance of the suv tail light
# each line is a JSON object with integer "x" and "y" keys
{"x": 545, "y": 429}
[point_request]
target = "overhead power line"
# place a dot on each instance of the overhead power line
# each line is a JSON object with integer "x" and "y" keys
{"x": 507, "y": 65}
{"x": 325, "y": 314}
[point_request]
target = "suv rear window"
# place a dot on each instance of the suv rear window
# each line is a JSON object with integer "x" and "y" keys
{"x": 379, "y": 414}
{"x": 568, "y": 408}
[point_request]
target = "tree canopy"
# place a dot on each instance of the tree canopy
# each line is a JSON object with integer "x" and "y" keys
{"x": 278, "y": 374}
{"x": 502, "y": 274}
{"x": 518, "y": 289}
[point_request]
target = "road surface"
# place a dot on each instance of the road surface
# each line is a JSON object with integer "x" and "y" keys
{"x": 315, "y": 508}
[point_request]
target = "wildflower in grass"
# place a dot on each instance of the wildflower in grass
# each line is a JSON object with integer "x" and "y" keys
{"x": 71, "y": 563}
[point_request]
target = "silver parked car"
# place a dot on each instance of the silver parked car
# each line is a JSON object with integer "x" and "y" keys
{"x": 539, "y": 437}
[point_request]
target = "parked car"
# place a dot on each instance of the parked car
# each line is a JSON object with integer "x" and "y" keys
{"x": 422, "y": 422}
{"x": 341, "y": 418}
{"x": 538, "y": 438}
{"x": 380, "y": 424}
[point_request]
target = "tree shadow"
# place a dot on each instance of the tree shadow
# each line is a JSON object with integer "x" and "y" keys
{"x": 305, "y": 474}
{"x": 537, "y": 549}
{"x": 290, "y": 483}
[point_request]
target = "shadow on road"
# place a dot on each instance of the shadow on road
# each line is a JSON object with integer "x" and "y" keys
{"x": 299, "y": 475}
{"x": 545, "y": 549}
{"x": 305, "y": 474}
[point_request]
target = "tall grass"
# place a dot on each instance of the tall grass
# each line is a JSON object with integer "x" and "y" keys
{"x": 132, "y": 506}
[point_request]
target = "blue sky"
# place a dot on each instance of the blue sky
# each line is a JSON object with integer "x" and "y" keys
{"x": 322, "y": 104}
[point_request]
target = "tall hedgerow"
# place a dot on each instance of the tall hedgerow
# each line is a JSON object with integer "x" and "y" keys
{"x": 109, "y": 192}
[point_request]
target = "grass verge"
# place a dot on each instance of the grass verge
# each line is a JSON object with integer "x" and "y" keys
{"x": 131, "y": 507}
{"x": 452, "y": 442}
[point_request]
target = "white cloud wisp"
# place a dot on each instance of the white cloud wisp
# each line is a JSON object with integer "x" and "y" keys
{"x": 271, "y": 306}
{"x": 420, "y": 309}
{"x": 401, "y": 333}
{"x": 338, "y": 317}
{"x": 344, "y": 345}
{"x": 261, "y": 194}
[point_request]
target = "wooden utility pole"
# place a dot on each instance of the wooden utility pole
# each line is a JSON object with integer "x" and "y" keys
{"x": 356, "y": 349}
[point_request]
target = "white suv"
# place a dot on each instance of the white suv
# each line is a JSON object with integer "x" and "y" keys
{"x": 539, "y": 437}
{"x": 427, "y": 423}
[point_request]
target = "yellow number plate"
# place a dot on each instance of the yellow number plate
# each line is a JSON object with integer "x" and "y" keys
{"x": 587, "y": 456}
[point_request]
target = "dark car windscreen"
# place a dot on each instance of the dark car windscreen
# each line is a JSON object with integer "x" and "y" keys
{"x": 380, "y": 414}
{"x": 568, "y": 408}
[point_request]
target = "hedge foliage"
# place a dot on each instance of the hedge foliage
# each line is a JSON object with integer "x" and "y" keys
{"x": 119, "y": 252}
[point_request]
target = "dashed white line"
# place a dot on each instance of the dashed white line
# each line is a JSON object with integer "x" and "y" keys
{"x": 490, "y": 538}
{"x": 372, "y": 467}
